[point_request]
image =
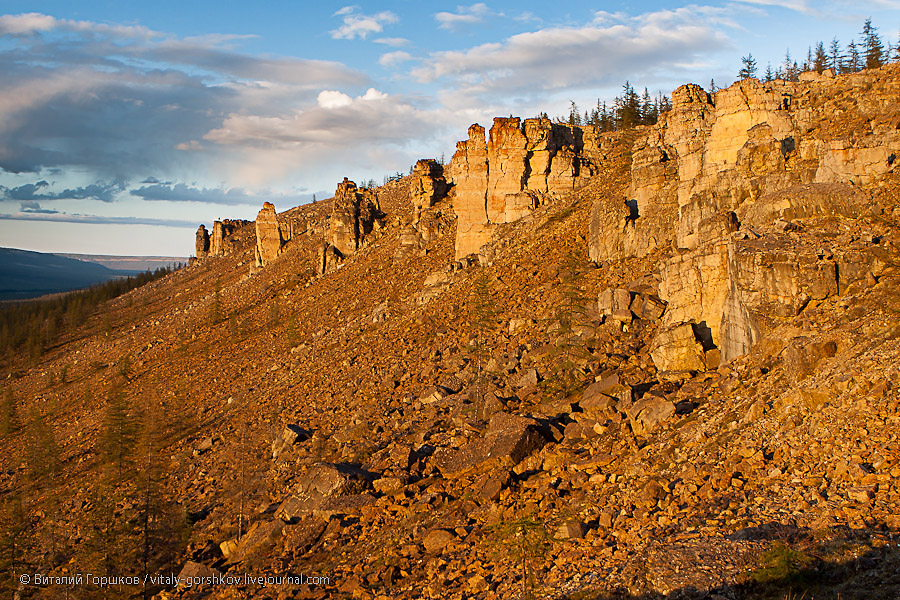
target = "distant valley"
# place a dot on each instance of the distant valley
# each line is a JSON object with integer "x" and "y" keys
{"x": 25, "y": 274}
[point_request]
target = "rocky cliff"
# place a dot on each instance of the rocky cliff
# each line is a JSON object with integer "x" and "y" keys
{"x": 721, "y": 187}
{"x": 520, "y": 167}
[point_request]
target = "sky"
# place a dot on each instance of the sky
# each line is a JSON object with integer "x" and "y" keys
{"x": 126, "y": 124}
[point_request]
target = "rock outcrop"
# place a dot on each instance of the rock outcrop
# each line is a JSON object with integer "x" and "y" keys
{"x": 201, "y": 245}
{"x": 516, "y": 170}
{"x": 222, "y": 230}
{"x": 743, "y": 158}
{"x": 217, "y": 243}
{"x": 354, "y": 215}
{"x": 427, "y": 185}
{"x": 268, "y": 235}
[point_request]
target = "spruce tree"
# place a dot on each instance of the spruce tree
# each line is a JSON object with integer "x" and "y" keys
{"x": 748, "y": 68}
{"x": 820, "y": 60}
{"x": 483, "y": 322}
{"x": 835, "y": 56}
{"x": 568, "y": 316}
{"x": 874, "y": 49}
{"x": 852, "y": 64}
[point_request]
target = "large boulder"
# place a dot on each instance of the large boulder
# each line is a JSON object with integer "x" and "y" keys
{"x": 678, "y": 349}
{"x": 508, "y": 440}
{"x": 323, "y": 482}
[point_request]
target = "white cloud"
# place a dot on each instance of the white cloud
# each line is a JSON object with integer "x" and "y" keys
{"x": 25, "y": 24}
{"x": 357, "y": 25}
{"x": 392, "y": 59}
{"x": 34, "y": 23}
{"x": 464, "y": 15}
{"x": 380, "y": 128}
{"x": 333, "y": 99}
{"x": 610, "y": 50}
{"x": 396, "y": 42}
{"x": 797, "y": 5}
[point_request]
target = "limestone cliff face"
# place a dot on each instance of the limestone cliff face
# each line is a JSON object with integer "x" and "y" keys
{"x": 505, "y": 177}
{"x": 740, "y": 149}
{"x": 744, "y": 158}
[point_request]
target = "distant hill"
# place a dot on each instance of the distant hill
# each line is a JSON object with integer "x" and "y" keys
{"x": 26, "y": 274}
{"x": 132, "y": 264}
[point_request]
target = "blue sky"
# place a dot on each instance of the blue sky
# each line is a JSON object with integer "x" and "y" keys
{"x": 125, "y": 124}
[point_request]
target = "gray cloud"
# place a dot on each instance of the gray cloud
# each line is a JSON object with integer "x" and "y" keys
{"x": 102, "y": 191}
{"x": 61, "y": 217}
{"x": 33, "y": 207}
{"x": 119, "y": 100}
{"x": 183, "y": 193}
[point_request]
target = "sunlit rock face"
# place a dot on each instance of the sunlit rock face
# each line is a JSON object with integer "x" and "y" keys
{"x": 742, "y": 159}
{"x": 516, "y": 169}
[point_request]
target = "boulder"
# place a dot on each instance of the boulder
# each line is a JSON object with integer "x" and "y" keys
{"x": 290, "y": 436}
{"x": 256, "y": 541}
{"x": 508, "y": 440}
{"x": 678, "y": 349}
{"x": 436, "y": 540}
{"x": 197, "y": 574}
{"x": 646, "y": 414}
{"x": 320, "y": 484}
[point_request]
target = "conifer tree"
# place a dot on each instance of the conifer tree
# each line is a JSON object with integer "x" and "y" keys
{"x": 748, "y": 68}
{"x": 820, "y": 60}
{"x": 9, "y": 421}
{"x": 574, "y": 114}
{"x": 526, "y": 541}
{"x": 162, "y": 524}
{"x": 568, "y": 315}
{"x": 15, "y": 546}
{"x": 874, "y": 49}
{"x": 118, "y": 436}
{"x": 852, "y": 64}
{"x": 483, "y": 321}
{"x": 42, "y": 450}
{"x": 835, "y": 55}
